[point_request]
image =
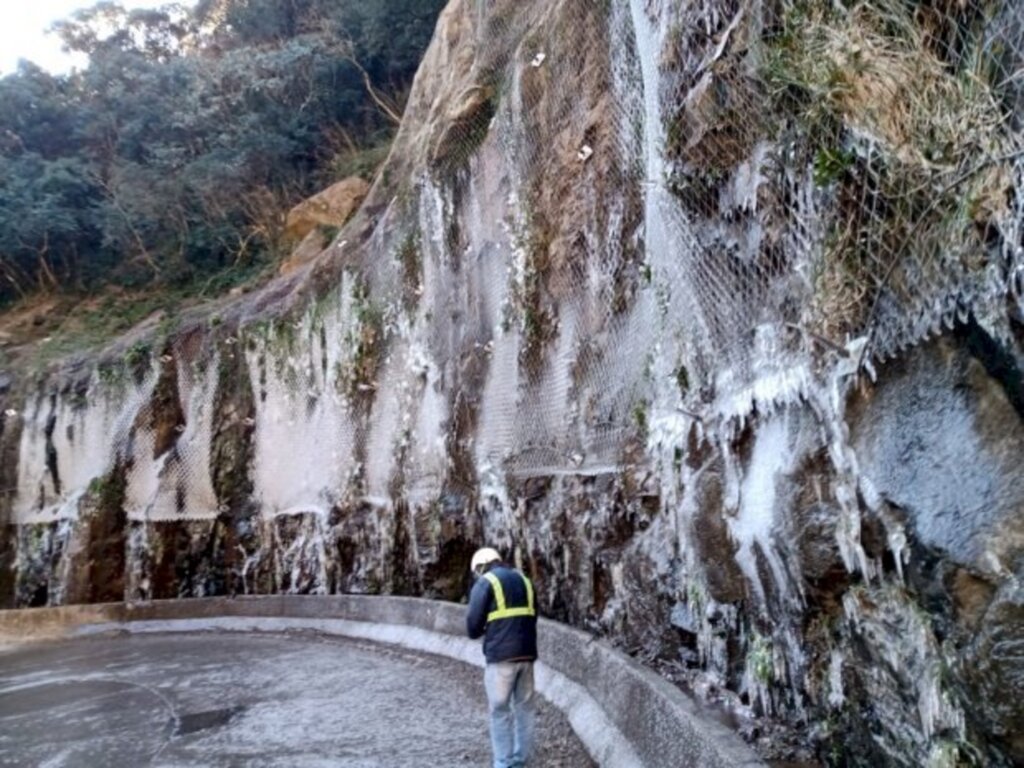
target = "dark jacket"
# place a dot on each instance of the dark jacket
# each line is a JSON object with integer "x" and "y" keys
{"x": 504, "y": 639}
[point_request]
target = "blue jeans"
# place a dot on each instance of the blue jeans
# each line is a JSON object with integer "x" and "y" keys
{"x": 510, "y": 699}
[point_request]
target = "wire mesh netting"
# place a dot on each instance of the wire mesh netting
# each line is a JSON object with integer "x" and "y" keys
{"x": 721, "y": 197}
{"x": 598, "y": 213}
{"x": 637, "y": 206}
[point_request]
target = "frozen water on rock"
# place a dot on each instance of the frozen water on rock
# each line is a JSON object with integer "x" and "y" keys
{"x": 640, "y": 443}
{"x": 762, "y": 394}
{"x": 301, "y": 566}
{"x": 177, "y": 485}
{"x": 390, "y": 421}
{"x": 776, "y": 381}
{"x": 902, "y": 638}
{"x": 756, "y": 500}
{"x": 301, "y": 411}
{"x": 85, "y": 430}
{"x": 836, "y": 699}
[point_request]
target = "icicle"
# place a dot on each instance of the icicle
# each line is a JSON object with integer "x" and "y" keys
{"x": 836, "y": 697}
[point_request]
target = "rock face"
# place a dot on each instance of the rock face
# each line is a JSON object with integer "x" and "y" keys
{"x": 939, "y": 442}
{"x": 778, "y": 463}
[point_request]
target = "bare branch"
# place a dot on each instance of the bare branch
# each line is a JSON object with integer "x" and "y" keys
{"x": 144, "y": 254}
{"x": 384, "y": 103}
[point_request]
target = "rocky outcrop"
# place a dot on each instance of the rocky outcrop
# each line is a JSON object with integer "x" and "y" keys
{"x": 312, "y": 224}
{"x": 330, "y": 208}
{"x": 940, "y": 441}
{"x": 311, "y": 246}
{"x": 595, "y": 312}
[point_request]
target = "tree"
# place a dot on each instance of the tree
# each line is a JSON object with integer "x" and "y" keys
{"x": 179, "y": 148}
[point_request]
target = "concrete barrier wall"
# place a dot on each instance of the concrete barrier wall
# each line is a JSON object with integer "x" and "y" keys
{"x": 625, "y": 714}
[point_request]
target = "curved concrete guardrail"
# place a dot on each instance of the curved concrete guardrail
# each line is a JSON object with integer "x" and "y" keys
{"x": 624, "y": 714}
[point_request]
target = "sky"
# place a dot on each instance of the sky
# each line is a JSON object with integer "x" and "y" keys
{"x": 23, "y": 25}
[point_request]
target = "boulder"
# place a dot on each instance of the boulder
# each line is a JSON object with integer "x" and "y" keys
{"x": 312, "y": 245}
{"x": 940, "y": 440}
{"x": 328, "y": 209}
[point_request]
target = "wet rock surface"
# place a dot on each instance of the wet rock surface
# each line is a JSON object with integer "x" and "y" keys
{"x": 217, "y": 699}
{"x": 940, "y": 442}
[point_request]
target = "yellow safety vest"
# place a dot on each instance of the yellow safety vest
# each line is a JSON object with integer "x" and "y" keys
{"x": 504, "y": 612}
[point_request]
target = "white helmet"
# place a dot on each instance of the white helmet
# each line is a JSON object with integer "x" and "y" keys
{"x": 482, "y": 557}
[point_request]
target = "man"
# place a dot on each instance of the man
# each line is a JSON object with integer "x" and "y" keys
{"x": 501, "y": 609}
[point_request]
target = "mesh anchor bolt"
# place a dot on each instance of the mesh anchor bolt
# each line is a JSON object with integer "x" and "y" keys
{"x": 538, "y": 60}
{"x": 585, "y": 153}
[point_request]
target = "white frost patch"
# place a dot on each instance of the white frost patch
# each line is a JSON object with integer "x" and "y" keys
{"x": 87, "y": 433}
{"x": 748, "y": 180}
{"x": 389, "y": 427}
{"x": 177, "y": 485}
{"x": 775, "y": 383}
{"x": 304, "y": 416}
{"x": 772, "y": 459}
{"x": 836, "y": 697}
{"x": 492, "y": 485}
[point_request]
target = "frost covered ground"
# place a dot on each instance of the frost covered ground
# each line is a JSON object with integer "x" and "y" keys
{"x": 226, "y": 699}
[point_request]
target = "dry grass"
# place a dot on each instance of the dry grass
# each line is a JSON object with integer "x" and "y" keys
{"x": 876, "y": 69}
{"x": 929, "y": 147}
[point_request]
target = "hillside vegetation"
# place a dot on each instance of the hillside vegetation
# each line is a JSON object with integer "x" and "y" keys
{"x": 165, "y": 168}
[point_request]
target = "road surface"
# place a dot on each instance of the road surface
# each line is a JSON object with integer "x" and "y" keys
{"x": 299, "y": 700}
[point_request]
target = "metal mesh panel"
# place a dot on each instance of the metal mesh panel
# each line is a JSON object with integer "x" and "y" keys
{"x": 617, "y": 210}
{"x": 705, "y": 203}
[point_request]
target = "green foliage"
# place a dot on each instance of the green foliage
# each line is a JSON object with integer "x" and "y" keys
{"x": 174, "y": 155}
{"x": 112, "y": 374}
{"x": 80, "y": 324}
{"x": 137, "y": 354}
{"x": 640, "y": 418}
{"x": 361, "y": 161}
{"x": 830, "y": 164}
{"x": 528, "y": 290}
{"x": 958, "y": 753}
{"x": 760, "y": 659}
{"x": 410, "y": 259}
{"x": 137, "y": 360}
{"x": 683, "y": 380}
{"x": 912, "y": 139}
{"x": 109, "y": 490}
{"x": 356, "y": 375}
{"x": 328, "y": 232}
{"x": 696, "y": 597}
